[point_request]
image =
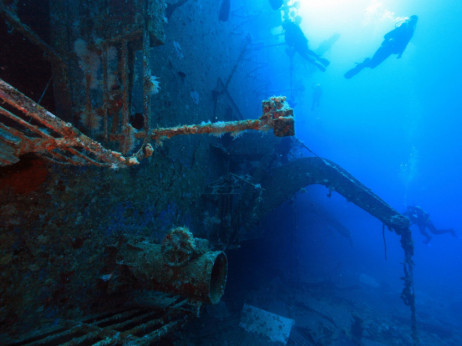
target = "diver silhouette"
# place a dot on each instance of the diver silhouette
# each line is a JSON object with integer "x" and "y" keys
{"x": 417, "y": 216}
{"x": 395, "y": 42}
{"x": 316, "y": 99}
{"x": 297, "y": 41}
{"x": 276, "y": 4}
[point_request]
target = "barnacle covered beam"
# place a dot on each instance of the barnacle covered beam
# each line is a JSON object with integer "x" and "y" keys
{"x": 317, "y": 170}
{"x": 276, "y": 115}
{"x": 30, "y": 128}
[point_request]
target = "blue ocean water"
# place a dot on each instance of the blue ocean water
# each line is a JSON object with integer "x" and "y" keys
{"x": 397, "y": 129}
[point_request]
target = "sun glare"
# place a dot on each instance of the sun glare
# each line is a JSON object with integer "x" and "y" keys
{"x": 333, "y": 15}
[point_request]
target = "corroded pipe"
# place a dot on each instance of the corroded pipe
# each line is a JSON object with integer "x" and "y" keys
{"x": 181, "y": 265}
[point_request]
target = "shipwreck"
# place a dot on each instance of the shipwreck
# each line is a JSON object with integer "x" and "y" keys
{"x": 98, "y": 179}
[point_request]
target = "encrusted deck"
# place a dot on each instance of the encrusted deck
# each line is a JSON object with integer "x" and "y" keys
{"x": 131, "y": 325}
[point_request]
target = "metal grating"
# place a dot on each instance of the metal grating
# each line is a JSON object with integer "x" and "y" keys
{"x": 133, "y": 326}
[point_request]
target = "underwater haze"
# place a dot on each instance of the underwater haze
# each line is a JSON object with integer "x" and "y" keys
{"x": 376, "y": 92}
{"x": 397, "y": 129}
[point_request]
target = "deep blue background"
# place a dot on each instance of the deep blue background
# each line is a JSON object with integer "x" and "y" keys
{"x": 396, "y": 128}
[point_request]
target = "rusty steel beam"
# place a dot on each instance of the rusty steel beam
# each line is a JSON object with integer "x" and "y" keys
{"x": 105, "y": 93}
{"x": 55, "y": 137}
{"x": 276, "y": 115}
{"x": 64, "y": 136}
{"x": 147, "y": 86}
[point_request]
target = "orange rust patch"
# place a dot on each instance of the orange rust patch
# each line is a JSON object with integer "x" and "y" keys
{"x": 24, "y": 177}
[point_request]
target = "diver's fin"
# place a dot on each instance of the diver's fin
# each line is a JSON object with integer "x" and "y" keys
{"x": 355, "y": 70}
{"x": 324, "y": 61}
{"x": 320, "y": 66}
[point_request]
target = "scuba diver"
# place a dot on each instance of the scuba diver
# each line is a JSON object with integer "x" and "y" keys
{"x": 295, "y": 39}
{"x": 223, "y": 14}
{"x": 276, "y": 4}
{"x": 316, "y": 100}
{"x": 395, "y": 42}
{"x": 417, "y": 216}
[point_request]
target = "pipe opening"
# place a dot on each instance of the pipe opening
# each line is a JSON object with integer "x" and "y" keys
{"x": 218, "y": 278}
